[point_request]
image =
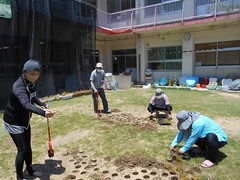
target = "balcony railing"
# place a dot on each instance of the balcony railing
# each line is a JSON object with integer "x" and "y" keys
{"x": 168, "y": 12}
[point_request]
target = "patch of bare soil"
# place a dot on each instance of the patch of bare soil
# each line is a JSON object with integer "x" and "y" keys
{"x": 232, "y": 94}
{"x": 119, "y": 118}
{"x": 83, "y": 165}
{"x": 231, "y": 125}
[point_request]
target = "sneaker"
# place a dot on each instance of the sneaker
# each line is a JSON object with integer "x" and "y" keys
{"x": 108, "y": 112}
{"x": 160, "y": 121}
{"x": 169, "y": 117}
{"x": 156, "y": 112}
{"x": 21, "y": 178}
{"x": 36, "y": 173}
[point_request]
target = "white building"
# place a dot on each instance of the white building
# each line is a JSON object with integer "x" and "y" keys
{"x": 172, "y": 38}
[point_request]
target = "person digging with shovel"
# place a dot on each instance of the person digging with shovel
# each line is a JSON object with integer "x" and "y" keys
{"x": 195, "y": 128}
{"x": 17, "y": 114}
{"x": 97, "y": 80}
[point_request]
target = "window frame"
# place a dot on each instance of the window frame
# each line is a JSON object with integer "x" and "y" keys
{"x": 217, "y": 48}
{"x": 162, "y": 61}
{"x": 123, "y": 54}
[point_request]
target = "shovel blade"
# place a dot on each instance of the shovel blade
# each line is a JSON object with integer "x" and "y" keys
{"x": 50, "y": 153}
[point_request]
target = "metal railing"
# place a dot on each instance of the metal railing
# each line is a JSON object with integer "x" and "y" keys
{"x": 167, "y": 12}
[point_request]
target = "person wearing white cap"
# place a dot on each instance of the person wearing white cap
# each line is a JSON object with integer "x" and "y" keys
{"x": 97, "y": 80}
{"x": 17, "y": 115}
{"x": 160, "y": 102}
{"x": 195, "y": 128}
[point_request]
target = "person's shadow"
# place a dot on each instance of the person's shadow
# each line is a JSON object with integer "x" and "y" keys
{"x": 196, "y": 152}
{"x": 50, "y": 167}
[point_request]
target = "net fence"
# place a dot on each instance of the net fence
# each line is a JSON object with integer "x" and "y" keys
{"x": 59, "y": 33}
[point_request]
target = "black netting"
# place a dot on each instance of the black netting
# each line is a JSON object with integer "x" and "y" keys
{"x": 58, "y": 33}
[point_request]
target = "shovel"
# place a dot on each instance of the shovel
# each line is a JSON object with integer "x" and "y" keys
{"x": 99, "y": 112}
{"x": 50, "y": 151}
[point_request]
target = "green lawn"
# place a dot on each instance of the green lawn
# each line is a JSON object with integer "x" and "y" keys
{"x": 76, "y": 115}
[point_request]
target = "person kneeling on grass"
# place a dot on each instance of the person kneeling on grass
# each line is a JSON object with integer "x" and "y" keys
{"x": 201, "y": 130}
{"x": 160, "y": 102}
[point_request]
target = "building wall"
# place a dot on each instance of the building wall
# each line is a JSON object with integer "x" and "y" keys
{"x": 207, "y": 32}
{"x": 188, "y": 56}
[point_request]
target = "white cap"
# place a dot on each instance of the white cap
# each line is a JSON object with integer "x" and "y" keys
{"x": 99, "y": 65}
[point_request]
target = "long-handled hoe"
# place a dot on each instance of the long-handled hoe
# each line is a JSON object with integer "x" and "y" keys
{"x": 50, "y": 151}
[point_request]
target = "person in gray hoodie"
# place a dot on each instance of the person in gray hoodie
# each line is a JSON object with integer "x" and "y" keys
{"x": 17, "y": 114}
{"x": 97, "y": 80}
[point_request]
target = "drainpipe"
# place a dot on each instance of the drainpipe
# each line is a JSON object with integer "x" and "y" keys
{"x": 215, "y": 10}
{"x": 131, "y": 19}
{"x": 155, "y": 16}
{"x": 138, "y": 57}
{"x": 183, "y": 9}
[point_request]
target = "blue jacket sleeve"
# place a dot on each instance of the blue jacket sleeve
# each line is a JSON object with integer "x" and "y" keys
{"x": 177, "y": 139}
{"x": 195, "y": 134}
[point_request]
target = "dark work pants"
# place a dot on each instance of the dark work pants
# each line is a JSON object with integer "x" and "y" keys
{"x": 210, "y": 144}
{"x": 102, "y": 95}
{"x": 23, "y": 144}
{"x": 151, "y": 108}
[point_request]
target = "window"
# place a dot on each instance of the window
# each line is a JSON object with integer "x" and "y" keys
{"x": 203, "y": 2}
{"x": 161, "y": 8}
{"x": 218, "y": 53}
{"x": 123, "y": 59}
{"x": 165, "y": 58}
{"x": 5, "y": 10}
{"x": 151, "y": 2}
{"x": 228, "y": 58}
{"x": 119, "y": 5}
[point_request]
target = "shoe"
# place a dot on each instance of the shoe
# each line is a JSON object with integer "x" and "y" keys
{"x": 207, "y": 164}
{"x": 169, "y": 117}
{"x": 108, "y": 112}
{"x": 21, "y": 178}
{"x": 35, "y": 173}
{"x": 160, "y": 121}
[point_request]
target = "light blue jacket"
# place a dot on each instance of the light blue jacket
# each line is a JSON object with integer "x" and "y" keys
{"x": 200, "y": 128}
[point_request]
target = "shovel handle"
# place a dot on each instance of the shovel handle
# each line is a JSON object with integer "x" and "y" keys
{"x": 49, "y": 134}
{"x": 50, "y": 151}
{"x": 98, "y": 101}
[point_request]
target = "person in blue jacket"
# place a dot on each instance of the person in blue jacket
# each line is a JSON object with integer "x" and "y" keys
{"x": 195, "y": 128}
{"x": 17, "y": 115}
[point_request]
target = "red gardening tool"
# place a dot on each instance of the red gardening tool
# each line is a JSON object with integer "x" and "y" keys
{"x": 50, "y": 151}
{"x": 99, "y": 112}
